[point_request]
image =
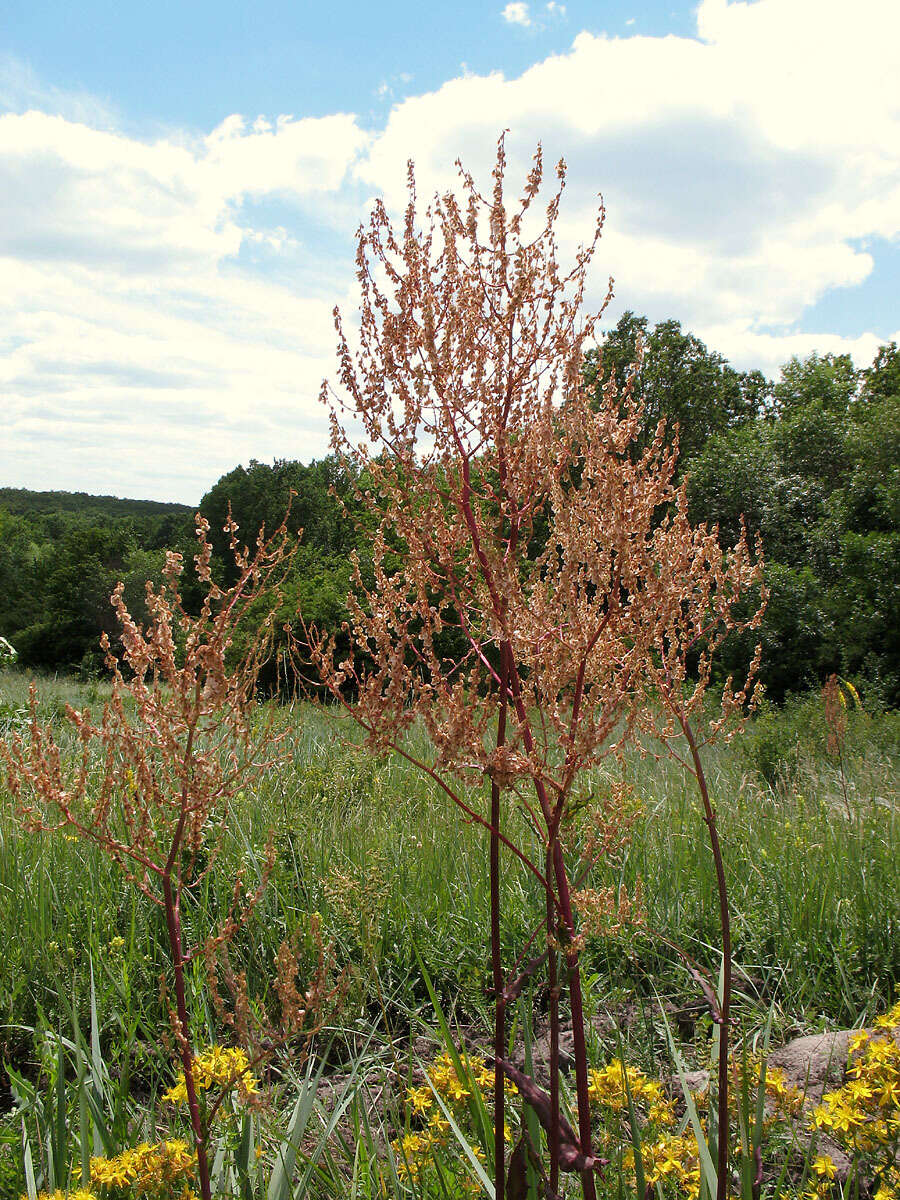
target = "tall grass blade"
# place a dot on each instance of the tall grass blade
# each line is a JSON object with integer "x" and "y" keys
{"x": 283, "y": 1170}
{"x": 242, "y": 1157}
{"x": 480, "y": 1173}
{"x": 709, "y": 1174}
{"x": 639, "y": 1176}
{"x": 28, "y": 1162}
{"x": 84, "y": 1129}
{"x": 60, "y": 1132}
{"x": 481, "y": 1120}
{"x": 312, "y": 1160}
{"x": 532, "y": 1124}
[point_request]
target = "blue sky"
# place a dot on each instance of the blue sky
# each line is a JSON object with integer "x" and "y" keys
{"x": 192, "y": 63}
{"x": 180, "y": 182}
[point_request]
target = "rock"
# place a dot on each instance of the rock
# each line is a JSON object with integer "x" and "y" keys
{"x": 814, "y": 1064}
{"x": 696, "y": 1081}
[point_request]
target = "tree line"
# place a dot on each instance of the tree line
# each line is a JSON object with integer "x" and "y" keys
{"x": 811, "y": 462}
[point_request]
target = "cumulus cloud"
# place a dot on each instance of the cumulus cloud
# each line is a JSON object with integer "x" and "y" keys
{"x": 741, "y": 169}
{"x": 516, "y": 13}
{"x": 136, "y": 345}
{"x": 166, "y": 304}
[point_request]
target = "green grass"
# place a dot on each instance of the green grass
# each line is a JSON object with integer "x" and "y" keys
{"x": 394, "y": 873}
{"x": 375, "y": 849}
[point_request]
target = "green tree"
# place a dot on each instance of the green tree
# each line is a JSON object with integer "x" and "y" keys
{"x": 678, "y": 379}
{"x": 259, "y": 496}
{"x": 882, "y": 379}
{"x": 829, "y": 380}
{"x": 20, "y": 563}
{"x": 819, "y": 480}
{"x": 75, "y": 576}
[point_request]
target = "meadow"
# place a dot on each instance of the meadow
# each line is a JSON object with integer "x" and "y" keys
{"x": 578, "y": 875}
{"x": 399, "y": 882}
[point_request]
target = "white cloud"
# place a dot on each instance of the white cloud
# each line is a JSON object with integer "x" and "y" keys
{"x": 73, "y": 194}
{"x": 285, "y": 156}
{"x": 165, "y": 305}
{"x": 748, "y": 348}
{"x": 21, "y": 89}
{"x": 385, "y": 89}
{"x": 516, "y": 13}
{"x": 741, "y": 170}
{"x": 140, "y": 353}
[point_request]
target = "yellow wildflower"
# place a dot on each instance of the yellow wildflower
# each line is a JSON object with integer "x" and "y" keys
{"x": 824, "y": 1166}
{"x": 420, "y": 1100}
{"x": 438, "y": 1123}
{"x": 217, "y": 1066}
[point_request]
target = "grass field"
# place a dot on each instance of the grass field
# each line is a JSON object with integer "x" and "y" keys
{"x": 397, "y": 878}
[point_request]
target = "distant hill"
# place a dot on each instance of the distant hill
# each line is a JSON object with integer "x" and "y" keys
{"x": 61, "y": 556}
{"x": 22, "y": 502}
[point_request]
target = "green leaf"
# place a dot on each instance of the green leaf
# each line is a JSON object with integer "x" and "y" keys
{"x": 706, "y": 1163}
{"x": 242, "y": 1157}
{"x": 283, "y": 1170}
{"x": 639, "y": 1176}
{"x": 60, "y": 1138}
{"x": 482, "y": 1176}
{"x": 28, "y": 1164}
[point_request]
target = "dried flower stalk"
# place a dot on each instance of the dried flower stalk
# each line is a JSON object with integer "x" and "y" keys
{"x": 152, "y": 780}
{"x": 536, "y": 579}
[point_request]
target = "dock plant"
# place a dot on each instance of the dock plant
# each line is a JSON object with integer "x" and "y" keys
{"x": 151, "y": 785}
{"x": 536, "y": 596}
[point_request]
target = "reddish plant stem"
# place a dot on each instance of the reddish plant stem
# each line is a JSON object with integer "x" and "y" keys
{"x": 576, "y": 1006}
{"x": 725, "y": 917}
{"x": 173, "y": 926}
{"x": 554, "y": 848}
{"x": 172, "y": 905}
{"x": 563, "y": 902}
{"x": 553, "y": 983}
{"x": 496, "y": 959}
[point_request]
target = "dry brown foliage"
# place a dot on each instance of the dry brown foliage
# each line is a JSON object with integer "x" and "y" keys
{"x": 520, "y": 516}
{"x": 152, "y": 779}
{"x": 177, "y": 739}
{"x": 539, "y": 594}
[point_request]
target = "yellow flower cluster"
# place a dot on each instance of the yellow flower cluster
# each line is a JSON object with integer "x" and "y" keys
{"x": 863, "y": 1116}
{"x": 447, "y": 1084}
{"x": 161, "y": 1170}
{"x": 787, "y": 1100}
{"x": 607, "y": 1089}
{"x": 672, "y": 1161}
{"x": 416, "y": 1148}
{"x": 217, "y": 1066}
{"x": 81, "y": 1194}
{"x": 669, "y": 1161}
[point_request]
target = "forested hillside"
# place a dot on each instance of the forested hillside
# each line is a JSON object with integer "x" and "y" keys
{"x": 810, "y": 461}
{"x": 61, "y": 553}
{"x": 21, "y": 502}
